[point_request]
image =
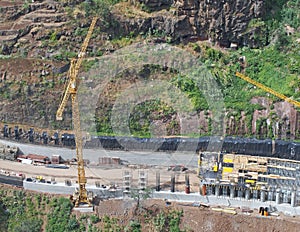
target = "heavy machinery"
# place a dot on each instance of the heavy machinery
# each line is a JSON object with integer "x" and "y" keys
{"x": 71, "y": 90}
{"x": 267, "y": 89}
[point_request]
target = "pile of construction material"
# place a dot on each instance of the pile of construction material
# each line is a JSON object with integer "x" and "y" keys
{"x": 109, "y": 161}
{"x": 8, "y": 153}
{"x": 34, "y": 159}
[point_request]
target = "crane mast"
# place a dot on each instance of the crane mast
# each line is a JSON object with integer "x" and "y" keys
{"x": 267, "y": 89}
{"x": 71, "y": 90}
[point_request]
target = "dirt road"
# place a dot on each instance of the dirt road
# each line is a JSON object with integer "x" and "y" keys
{"x": 132, "y": 157}
{"x": 106, "y": 175}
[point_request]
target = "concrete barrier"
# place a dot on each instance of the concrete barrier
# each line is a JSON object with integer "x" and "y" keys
{"x": 225, "y": 201}
{"x": 61, "y": 188}
{"x": 11, "y": 180}
{"x": 104, "y": 193}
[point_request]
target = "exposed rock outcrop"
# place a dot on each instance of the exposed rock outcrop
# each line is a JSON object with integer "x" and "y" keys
{"x": 31, "y": 95}
{"x": 154, "y": 5}
{"x": 224, "y": 21}
{"x": 279, "y": 120}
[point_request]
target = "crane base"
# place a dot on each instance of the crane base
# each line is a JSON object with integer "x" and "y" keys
{"x": 84, "y": 208}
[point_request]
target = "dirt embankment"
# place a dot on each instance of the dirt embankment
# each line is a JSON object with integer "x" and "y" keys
{"x": 197, "y": 219}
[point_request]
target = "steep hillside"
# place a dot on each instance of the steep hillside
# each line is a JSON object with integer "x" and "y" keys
{"x": 28, "y": 211}
{"x": 38, "y": 39}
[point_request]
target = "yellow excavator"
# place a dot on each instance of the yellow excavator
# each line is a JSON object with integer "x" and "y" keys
{"x": 81, "y": 197}
{"x": 267, "y": 89}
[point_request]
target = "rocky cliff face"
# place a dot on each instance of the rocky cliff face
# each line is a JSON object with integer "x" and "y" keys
{"x": 277, "y": 120}
{"x": 226, "y": 22}
{"x": 223, "y": 21}
{"x": 30, "y": 88}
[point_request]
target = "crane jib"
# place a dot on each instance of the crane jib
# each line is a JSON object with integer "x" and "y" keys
{"x": 267, "y": 89}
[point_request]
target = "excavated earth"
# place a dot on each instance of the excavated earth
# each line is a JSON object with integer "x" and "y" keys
{"x": 198, "y": 219}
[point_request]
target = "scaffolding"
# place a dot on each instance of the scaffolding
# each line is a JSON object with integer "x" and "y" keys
{"x": 252, "y": 177}
{"x": 142, "y": 182}
{"x": 127, "y": 180}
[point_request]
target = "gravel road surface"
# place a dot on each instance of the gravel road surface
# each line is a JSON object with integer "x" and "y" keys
{"x": 132, "y": 157}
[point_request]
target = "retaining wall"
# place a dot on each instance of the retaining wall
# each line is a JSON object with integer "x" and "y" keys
{"x": 226, "y": 201}
{"x": 11, "y": 180}
{"x": 61, "y": 188}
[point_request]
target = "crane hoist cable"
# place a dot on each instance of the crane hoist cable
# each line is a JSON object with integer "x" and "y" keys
{"x": 71, "y": 91}
{"x": 267, "y": 89}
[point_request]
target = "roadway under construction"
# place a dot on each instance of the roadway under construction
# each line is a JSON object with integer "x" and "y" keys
{"x": 229, "y": 180}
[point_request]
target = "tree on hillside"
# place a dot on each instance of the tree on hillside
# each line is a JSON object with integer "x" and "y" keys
{"x": 138, "y": 195}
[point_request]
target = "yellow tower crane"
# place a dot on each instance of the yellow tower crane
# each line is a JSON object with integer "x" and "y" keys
{"x": 267, "y": 89}
{"x": 71, "y": 90}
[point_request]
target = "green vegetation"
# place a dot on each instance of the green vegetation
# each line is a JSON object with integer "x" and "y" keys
{"x": 188, "y": 86}
{"x": 24, "y": 212}
{"x": 59, "y": 216}
{"x": 268, "y": 66}
{"x": 290, "y": 14}
{"x": 111, "y": 224}
{"x": 169, "y": 220}
{"x": 65, "y": 55}
{"x": 21, "y": 212}
{"x": 33, "y": 212}
{"x": 140, "y": 195}
{"x": 3, "y": 217}
{"x": 149, "y": 111}
{"x": 26, "y": 5}
{"x": 100, "y": 8}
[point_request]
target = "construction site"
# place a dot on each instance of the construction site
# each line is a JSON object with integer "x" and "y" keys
{"x": 249, "y": 177}
{"x": 233, "y": 175}
{"x": 217, "y": 180}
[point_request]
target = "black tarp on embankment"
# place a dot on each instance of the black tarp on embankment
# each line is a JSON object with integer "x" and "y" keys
{"x": 247, "y": 146}
{"x": 68, "y": 139}
{"x": 154, "y": 144}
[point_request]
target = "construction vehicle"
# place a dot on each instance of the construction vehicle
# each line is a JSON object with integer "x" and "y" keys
{"x": 39, "y": 178}
{"x": 80, "y": 197}
{"x": 267, "y": 89}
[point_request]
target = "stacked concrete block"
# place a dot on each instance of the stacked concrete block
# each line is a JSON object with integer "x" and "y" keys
{"x": 8, "y": 153}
